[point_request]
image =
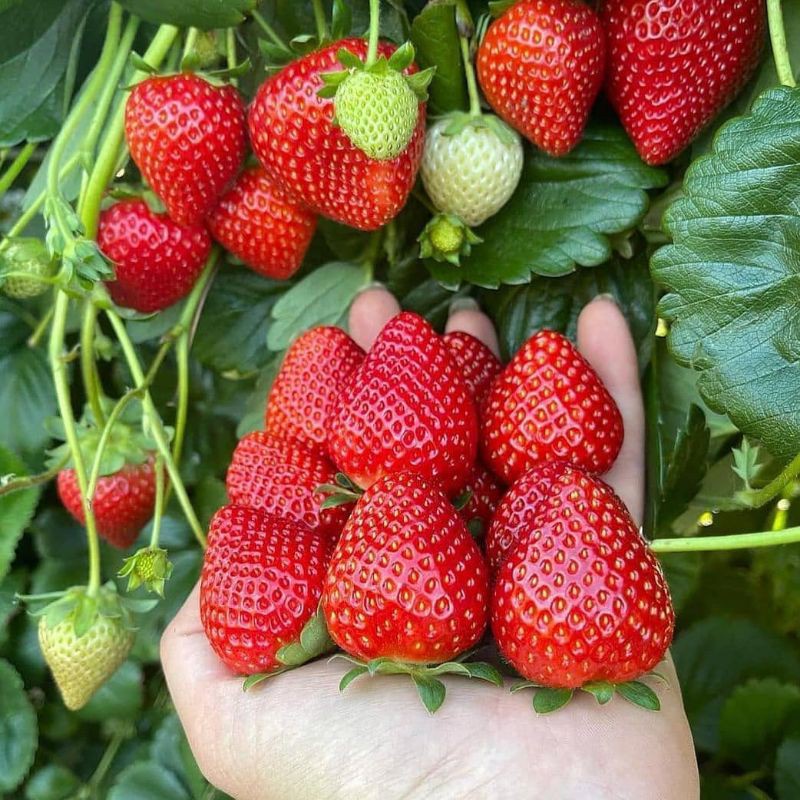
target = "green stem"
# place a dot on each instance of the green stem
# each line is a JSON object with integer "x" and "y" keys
{"x": 59, "y": 369}
{"x": 739, "y": 541}
{"x": 374, "y": 31}
{"x": 17, "y": 165}
{"x": 156, "y": 425}
{"x": 780, "y": 51}
{"x": 91, "y": 380}
{"x": 268, "y": 29}
{"x": 321, "y": 21}
{"x": 760, "y": 497}
{"x": 27, "y": 481}
{"x": 158, "y": 512}
{"x": 105, "y": 762}
{"x": 230, "y": 47}
{"x": 465, "y": 29}
{"x": 41, "y": 328}
{"x": 191, "y": 39}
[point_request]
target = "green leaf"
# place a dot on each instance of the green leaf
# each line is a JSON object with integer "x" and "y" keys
{"x": 36, "y": 50}
{"x": 16, "y": 510}
{"x": 787, "y": 770}
{"x": 640, "y": 694}
{"x": 230, "y": 335}
{"x": 341, "y": 19}
{"x": 547, "y": 700}
{"x": 27, "y": 399}
{"x": 733, "y": 273}
{"x": 520, "y": 311}
{"x": 203, "y": 14}
{"x": 321, "y": 298}
{"x": 18, "y": 730}
{"x": 52, "y": 782}
{"x": 602, "y": 691}
{"x": 148, "y": 781}
{"x": 435, "y": 36}
{"x": 562, "y": 214}
{"x": 350, "y": 676}
{"x": 431, "y": 691}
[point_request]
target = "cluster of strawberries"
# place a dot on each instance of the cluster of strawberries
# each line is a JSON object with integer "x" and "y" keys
{"x": 357, "y": 517}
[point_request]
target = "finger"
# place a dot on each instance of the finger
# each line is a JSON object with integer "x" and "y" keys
{"x": 467, "y": 317}
{"x": 370, "y": 311}
{"x": 605, "y": 341}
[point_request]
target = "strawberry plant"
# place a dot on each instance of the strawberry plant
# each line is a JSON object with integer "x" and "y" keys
{"x": 194, "y": 197}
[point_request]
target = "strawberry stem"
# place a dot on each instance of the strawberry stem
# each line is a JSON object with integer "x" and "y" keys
{"x": 9, "y": 484}
{"x": 466, "y": 29}
{"x": 759, "y": 497}
{"x": 739, "y": 541}
{"x": 158, "y": 512}
{"x": 230, "y": 51}
{"x": 780, "y": 51}
{"x": 267, "y": 28}
{"x": 374, "y": 31}
{"x": 16, "y": 166}
{"x": 91, "y": 380}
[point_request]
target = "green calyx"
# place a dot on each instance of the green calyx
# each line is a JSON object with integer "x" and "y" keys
{"x": 547, "y": 699}
{"x": 314, "y": 641}
{"x": 430, "y": 688}
{"x": 341, "y": 493}
{"x": 149, "y": 567}
{"x": 26, "y": 268}
{"x": 446, "y": 238}
{"x": 460, "y": 120}
{"x": 377, "y": 106}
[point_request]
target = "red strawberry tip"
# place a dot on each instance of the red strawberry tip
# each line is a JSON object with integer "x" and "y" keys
{"x": 547, "y": 699}
{"x": 431, "y": 690}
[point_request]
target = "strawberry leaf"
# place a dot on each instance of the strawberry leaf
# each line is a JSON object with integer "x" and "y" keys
{"x": 640, "y": 695}
{"x": 547, "y": 700}
{"x": 562, "y": 215}
{"x": 431, "y": 691}
{"x": 733, "y": 273}
{"x": 18, "y": 729}
{"x": 16, "y": 510}
{"x": 203, "y": 14}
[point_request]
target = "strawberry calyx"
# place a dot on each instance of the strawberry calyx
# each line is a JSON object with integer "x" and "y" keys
{"x": 341, "y": 493}
{"x": 460, "y": 120}
{"x": 547, "y": 699}
{"x": 313, "y": 642}
{"x": 431, "y": 690}
{"x": 149, "y": 567}
{"x": 446, "y": 238}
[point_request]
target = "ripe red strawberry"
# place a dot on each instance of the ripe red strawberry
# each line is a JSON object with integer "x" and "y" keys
{"x": 281, "y": 478}
{"x": 295, "y": 138}
{"x": 485, "y": 494}
{"x": 406, "y": 580}
{"x": 672, "y": 67}
{"x": 157, "y": 261}
{"x": 478, "y": 364}
{"x": 258, "y": 222}
{"x": 188, "y": 138}
{"x": 515, "y": 513}
{"x": 405, "y": 408}
{"x": 261, "y": 584}
{"x": 581, "y": 598}
{"x": 541, "y": 66}
{"x": 123, "y": 501}
{"x": 549, "y": 404}
{"x": 315, "y": 369}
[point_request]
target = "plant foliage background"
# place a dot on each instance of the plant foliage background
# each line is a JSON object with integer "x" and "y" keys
{"x": 723, "y": 409}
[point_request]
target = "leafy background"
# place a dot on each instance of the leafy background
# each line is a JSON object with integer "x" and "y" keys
{"x": 582, "y": 225}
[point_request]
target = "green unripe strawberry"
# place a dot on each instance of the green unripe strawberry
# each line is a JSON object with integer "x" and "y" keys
{"x": 446, "y": 238}
{"x": 471, "y": 166}
{"x": 378, "y": 112}
{"x": 149, "y": 567}
{"x": 22, "y": 263}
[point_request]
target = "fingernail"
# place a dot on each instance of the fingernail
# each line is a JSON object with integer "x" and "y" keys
{"x": 370, "y": 286}
{"x": 607, "y": 296}
{"x": 463, "y": 304}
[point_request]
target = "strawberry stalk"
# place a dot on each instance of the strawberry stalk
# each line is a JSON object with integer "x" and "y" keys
{"x": 466, "y": 28}
{"x": 16, "y": 166}
{"x": 374, "y": 31}
{"x": 780, "y": 50}
{"x": 91, "y": 379}
{"x": 739, "y": 541}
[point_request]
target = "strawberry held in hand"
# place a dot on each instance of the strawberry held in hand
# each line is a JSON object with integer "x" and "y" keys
{"x": 188, "y": 138}
{"x": 259, "y": 592}
{"x": 295, "y": 138}
{"x": 281, "y": 478}
{"x": 478, "y": 364}
{"x": 156, "y": 260}
{"x": 541, "y": 66}
{"x": 314, "y": 371}
{"x": 406, "y": 407}
{"x": 673, "y": 66}
{"x": 580, "y": 601}
{"x": 549, "y": 404}
{"x": 259, "y": 223}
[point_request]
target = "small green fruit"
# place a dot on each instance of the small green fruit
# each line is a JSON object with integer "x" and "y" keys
{"x": 23, "y": 258}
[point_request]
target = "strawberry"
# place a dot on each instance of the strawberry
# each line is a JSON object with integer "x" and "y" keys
{"x": 259, "y": 591}
{"x": 123, "y": 501}
{"x": 294, "y": 136}
{"x": 514, "y": 513}
{"x": 405, "y": 408}
{"x": 157, "y": 261}
{"x": 406, "y": 585}
{"x": 549, "y": 404}
{"x": 580, "y": 600}
{"x": 471, "y": 166}
{"x": 304, "y": 393}
{"x": 25, "y": 265}
{"x": 281, "y": 478}
{"x": 478, "y": 364}
{"x": 541, "y": 66}
{"x": 259, "y": 223}
{"x": 672, "y": 67}
{"x": 484, "y": 495}
{"x": 188, "y": 138}
{"x": 84, "y": 640}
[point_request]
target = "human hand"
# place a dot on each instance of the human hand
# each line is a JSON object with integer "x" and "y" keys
{"x": 295, "y": 738}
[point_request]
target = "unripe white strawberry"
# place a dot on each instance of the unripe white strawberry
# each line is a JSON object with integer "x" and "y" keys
{"x": 471, "y": 166}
